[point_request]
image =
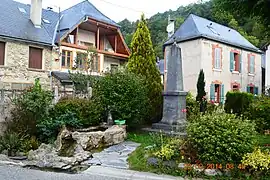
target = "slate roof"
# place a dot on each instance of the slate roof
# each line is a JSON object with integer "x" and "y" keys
{"x": 196, "y": 27}
{"x": 16, "y": 24}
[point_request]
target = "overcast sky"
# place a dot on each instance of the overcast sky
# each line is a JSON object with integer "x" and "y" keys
{"x": 118, "y": 10}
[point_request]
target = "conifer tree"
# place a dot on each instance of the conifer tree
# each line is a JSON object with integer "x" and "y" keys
{"x": 142, "y": 61}
{"x": 200, "y": 86}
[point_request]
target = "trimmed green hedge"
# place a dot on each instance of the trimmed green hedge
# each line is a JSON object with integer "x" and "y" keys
{"x": 237, "y": 102}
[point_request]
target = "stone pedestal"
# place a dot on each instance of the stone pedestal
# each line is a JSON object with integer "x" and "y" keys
{"x": 174, "y": 107}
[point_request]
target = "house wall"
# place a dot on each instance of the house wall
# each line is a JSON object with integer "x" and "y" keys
{"x": 86, "y": 36}
{"x": 15, "y": 71}
{"x": 267, "y": 67}
{"x": 225, "y": 76}
{"x": 108, "y": 61}
{"x": 197, "y": 54}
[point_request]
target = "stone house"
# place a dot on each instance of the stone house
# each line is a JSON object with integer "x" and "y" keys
{"x": 36, "y": 42}
{"x": 230, "y": 62}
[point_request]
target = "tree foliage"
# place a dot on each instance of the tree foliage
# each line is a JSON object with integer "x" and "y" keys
{"x": 200, "y": 86}
{"x": 142, "y": 61}
{"x": 252, "y": 27}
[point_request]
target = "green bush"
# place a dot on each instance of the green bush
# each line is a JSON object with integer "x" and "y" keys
{"x": 259, "y": 111}
{"x": 48, "y": 129}
{"x": 29, "y": 108}
{"x": 192, "y": 106}
{"x": 125, "y": 95}
{"x": 88, "y": 112}
{"x": 221, "y": 137}
{"x": 238, "y": 102}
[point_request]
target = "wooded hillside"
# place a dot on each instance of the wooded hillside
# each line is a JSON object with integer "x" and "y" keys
{"x": 251, "y": 26}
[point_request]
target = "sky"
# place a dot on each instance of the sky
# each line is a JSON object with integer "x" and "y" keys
{"x": 118, "y": 10}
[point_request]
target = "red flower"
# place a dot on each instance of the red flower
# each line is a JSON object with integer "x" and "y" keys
{"x": 184, "y": 110}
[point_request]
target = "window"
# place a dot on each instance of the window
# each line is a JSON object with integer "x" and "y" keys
{"x": 114, "y": 67}
{"x": 35, "y": 58}
{"x": 2, "y": 53}
{"x": 235, "y": 61}
{"x": 251, "y": 64}
{"x": 66, "y": 59}
{"x": 235, "y": 86}
{"x": 253, "y": 89}
{"x": 217, "y": 57}
{"x": 81, "y": 60}
{"x": 217, "y": 92}
{"x": 95, "y": 64}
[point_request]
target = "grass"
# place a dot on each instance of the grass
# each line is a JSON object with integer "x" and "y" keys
{"x": 263, "y": 141}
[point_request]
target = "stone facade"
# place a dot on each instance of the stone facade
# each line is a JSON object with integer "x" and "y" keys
{"x": 267, "y": 67}
{"x": 197, "y": 54}
{"x": 16, "y": 74}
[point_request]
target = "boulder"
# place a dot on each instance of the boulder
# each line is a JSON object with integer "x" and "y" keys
{"x": 212, "y": 172}
{"x": 89, "y": 140}
{"x": 114, "y": 135}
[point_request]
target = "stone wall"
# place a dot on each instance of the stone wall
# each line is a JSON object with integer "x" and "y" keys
{"x": 15, "y": 74}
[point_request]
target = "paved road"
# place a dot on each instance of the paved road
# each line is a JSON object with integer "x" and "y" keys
{"x": 8, "y": 172}
{"x": 18, "y": 173}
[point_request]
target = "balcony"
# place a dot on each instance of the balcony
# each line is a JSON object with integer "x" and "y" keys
{"x": 106, "y": 39}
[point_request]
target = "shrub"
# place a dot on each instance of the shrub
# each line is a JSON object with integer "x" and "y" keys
{"x": 49, "y": 128}
{"x": 12, "y": 142}
{"x": 29, "y": 108}
{"x": 237, "y": 102}
{"x": 125, "y": 95}
{"x": 259, "y": 111}
{"x": 88, "y": 112}
{"x": 220, "y": 137}
{"x": 257, "y": 160}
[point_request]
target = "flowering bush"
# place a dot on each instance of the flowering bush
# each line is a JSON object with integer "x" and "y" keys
{"x": 257, "y": 160}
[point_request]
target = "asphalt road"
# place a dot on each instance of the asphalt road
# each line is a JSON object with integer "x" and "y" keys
{"x": 18, "y": 173}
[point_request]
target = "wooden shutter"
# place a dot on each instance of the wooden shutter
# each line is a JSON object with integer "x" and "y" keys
{"x": 222, "y": 97}
{"x": 2, "y": 53}
{"x": 35, "y": 58}
{"x": 256, "y": 90}
{"x": 248, "y": 89}
{"x": 240, "y": 63}
{"x": 231, "y": 61}
{"x": 212, "y": 92}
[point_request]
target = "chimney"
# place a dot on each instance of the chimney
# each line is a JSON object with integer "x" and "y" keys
{"x": 36, "y": 12}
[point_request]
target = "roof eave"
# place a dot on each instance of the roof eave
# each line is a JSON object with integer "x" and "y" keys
{"x": 27, "y": 41}
{"x": 207, "y": 37}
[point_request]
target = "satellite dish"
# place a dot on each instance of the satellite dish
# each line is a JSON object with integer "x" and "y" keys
{"x": 170, "y": 27}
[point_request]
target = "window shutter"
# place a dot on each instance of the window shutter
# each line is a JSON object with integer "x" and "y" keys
{"x": 35, "y": 58}
{"x": 248, "y": 63}
{"x": 222, "y": 94}
{"x": 212, "y": 92}
{"x": 256, "y": 90}
{"x": 248, "y": 89}
{"x": 2, "y": 53}
{"x": 240, "y": 63}
{"x": 231, "y": 61}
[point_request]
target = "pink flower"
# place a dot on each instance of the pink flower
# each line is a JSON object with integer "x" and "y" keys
{"x": 184, "y": 110}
